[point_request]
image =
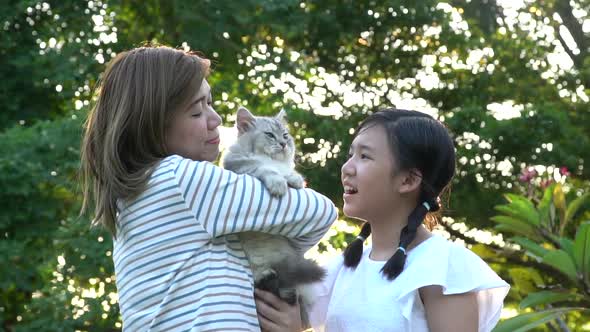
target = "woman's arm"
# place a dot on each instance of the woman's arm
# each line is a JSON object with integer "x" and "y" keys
{"x": 225, "y": 202}
{"x": 276, "y": 315}
{"x": 457, "y": 312}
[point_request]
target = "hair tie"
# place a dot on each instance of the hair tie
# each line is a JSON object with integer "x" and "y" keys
{"x": 361, "y": 238}
{"x": 402, "y": 249}
{"x": 426, "y": 205}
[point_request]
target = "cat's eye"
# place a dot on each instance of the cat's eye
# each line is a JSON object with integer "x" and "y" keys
{"x": 269, "y": 134}
{"x": 285, "y": 135}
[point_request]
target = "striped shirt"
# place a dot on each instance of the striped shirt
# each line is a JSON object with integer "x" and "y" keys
{"x": 179, "y": 265}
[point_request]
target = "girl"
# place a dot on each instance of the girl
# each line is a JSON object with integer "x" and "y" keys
{"x": 146, "y": 161}
{"x": 408, "y": 279}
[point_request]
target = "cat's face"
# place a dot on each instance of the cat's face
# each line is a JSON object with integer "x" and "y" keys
{"x": 267, "y": 135}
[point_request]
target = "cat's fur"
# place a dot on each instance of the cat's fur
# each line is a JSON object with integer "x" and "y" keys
{"x": 265, "y": 149}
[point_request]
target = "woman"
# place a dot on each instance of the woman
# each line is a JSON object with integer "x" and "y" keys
{"x": 146, "y": 161}
{"x": 408, "y": 279}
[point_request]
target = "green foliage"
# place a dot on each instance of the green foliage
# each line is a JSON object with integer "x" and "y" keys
{"x": 551, "y": 295}
{"x": 333, "y": 50}
{"x": 528, "y": 321}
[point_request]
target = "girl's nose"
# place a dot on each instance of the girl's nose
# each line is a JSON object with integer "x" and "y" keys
{"x": 347, "y": 168}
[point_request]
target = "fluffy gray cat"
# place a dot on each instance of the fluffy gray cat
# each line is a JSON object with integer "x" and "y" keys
{"x": 265, "y": 149}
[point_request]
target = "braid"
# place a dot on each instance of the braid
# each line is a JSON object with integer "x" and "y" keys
{"x": 395, "y": 264}
{"x": 354, "y": 251}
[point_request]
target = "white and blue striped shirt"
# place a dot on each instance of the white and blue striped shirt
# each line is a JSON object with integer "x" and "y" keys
{"x": 178, "y": 262}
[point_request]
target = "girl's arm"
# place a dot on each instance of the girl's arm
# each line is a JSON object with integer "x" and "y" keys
{"x": 457, "y": 312}
{"x": 224, "y": 202}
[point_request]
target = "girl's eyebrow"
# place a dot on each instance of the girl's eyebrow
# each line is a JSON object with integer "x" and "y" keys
{"x": 361, "y": 147}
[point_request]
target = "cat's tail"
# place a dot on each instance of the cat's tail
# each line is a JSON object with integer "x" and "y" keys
{"x": 298, "y": 271}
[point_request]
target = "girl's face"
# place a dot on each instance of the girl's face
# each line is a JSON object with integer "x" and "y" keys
{"x": 370, "y": 186}
{"x": 193, "y": 132}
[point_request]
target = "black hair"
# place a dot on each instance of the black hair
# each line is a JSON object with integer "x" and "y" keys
{"x": 417, "y": 141}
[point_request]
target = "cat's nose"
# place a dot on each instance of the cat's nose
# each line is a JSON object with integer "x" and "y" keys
{"x": 283, "y": 145}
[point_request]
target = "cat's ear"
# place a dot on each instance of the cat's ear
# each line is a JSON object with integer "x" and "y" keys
{"x": 244, "y": 120}
{"x": 282, "y": 116}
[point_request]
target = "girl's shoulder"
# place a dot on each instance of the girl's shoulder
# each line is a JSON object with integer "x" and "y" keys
{"x": 438, "y": 261}
{"x": 458, "y": 270}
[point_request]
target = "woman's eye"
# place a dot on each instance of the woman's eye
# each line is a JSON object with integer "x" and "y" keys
{"x": 269, "y": 134}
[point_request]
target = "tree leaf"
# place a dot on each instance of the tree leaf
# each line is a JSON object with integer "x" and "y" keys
{"x": 526, "y": 280}
{"x": 563, "y": 262}
{"x": 517, "y": 225}
{"x": 531, "y": 246}
{"x": 567, "y": 245}
{"x": 575, "y": 205}
{"x": 560, "y": 205}
{"x": 544, "y": 205}
{"x": 582, "y": 249}
{"x": 528, "y": 321}
{"x": 521, "y": 208}
{"x": 544, "y": 297}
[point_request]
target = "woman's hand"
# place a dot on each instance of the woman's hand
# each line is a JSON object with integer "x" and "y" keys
{"x": 276, "y": 315}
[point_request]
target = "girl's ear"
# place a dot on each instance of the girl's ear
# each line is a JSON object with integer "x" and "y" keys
{"x": 411, "y": 181}
{"x": 244, "y": 120}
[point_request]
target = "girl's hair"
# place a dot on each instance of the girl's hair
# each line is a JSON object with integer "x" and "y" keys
{"x": 125, "y": 133}
{"x": 420, "y": 142}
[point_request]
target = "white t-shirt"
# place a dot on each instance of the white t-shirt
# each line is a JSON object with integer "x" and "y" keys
{"x": 362, "y": 299}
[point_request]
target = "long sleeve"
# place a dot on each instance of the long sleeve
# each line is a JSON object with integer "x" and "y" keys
{"x": 224, "y": 202}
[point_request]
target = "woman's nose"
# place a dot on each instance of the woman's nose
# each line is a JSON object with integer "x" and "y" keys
{"x": 214, "y": 120}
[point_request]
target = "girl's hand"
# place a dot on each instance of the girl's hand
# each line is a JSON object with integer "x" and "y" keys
{"x": 276, "y": 315}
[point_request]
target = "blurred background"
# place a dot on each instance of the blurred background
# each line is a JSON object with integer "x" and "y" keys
{"x": 510, "y": 78}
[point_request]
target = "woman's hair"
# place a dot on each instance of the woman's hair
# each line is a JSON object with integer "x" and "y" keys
{"x": 418, "y": 142}
{"x": 125, "y": 133}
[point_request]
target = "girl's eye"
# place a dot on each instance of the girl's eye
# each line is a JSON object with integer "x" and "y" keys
{"x": 269, "y": 134}
{"x": 209, "y": 102}
{"x": 197, "y": 115}
{"x": 364, "y": 156}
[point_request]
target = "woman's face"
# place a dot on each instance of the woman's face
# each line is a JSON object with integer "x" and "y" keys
{"x": 370, "y": 186}
{"x": 193, "y": 132}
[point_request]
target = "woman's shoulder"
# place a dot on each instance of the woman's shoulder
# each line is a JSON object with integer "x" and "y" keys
{"x": 175, "y": 165}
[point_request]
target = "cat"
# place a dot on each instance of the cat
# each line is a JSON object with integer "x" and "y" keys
{"x": 265, "y": 150}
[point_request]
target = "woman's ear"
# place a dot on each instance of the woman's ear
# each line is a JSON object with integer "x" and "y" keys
{"x": 411, "y": 181}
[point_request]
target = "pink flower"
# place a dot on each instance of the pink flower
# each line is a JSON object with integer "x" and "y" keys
{"x": 527, "y": 174}
{"x": 563, "y": 171}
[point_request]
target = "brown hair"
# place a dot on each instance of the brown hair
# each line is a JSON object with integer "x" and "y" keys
{"x": 126, "y": 129}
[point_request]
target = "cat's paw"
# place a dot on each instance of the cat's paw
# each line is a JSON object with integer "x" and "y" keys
{"x": 295, "y": 180}
{"x": 276, "y": 185}
{"x": 268, "y": 281}
{"x": 288, "y": 295}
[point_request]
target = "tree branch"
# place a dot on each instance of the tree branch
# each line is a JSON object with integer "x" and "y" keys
{"x": 565, "y": 11}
